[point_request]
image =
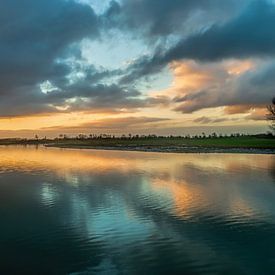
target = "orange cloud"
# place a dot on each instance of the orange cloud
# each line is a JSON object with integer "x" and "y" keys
{"x": 238, "y": 67}
{"x": 237, "y": 109}
{"x": 189, "y": 76}
{"x": 257, "y": 114}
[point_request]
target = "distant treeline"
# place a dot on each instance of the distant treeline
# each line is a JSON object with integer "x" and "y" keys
{"x": 153, "y": 136}
{"x": 214, "y": 135}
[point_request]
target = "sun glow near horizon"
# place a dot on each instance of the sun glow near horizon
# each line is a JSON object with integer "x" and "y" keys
{"x": 93, "y": 75}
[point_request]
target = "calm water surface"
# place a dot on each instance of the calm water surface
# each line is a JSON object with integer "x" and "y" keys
{"x": 105, "y": 212}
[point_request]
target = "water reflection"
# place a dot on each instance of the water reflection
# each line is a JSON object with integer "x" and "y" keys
{"x": 140, "y": 213}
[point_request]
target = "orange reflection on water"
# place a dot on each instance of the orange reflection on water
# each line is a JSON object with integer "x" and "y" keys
{"x": 190, "y": 200}
{"x": 192, "y": 182}
{"x": 31, "y": 158}
{"x": 100, "y": 161}
{"x": 186, "y": 198}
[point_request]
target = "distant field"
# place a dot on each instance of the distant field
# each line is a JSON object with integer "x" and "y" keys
{"x": 244, "y": 142}
{"x": 225, "y": 142}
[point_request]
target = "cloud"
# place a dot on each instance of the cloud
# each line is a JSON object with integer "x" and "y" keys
{"x": 40, "y": 44}
{"x": 125, "y": 122}
{"x": 35, "y": 33}
{"x": 112, "y": 125}
{"x": 248, "y": 35}
{"x": 257, "y": 115}
{"x": 238, "y": 85}
{"x": 155, "y": 19}
{"x": 210, "y": 120}
{"x": 35, "y": 36}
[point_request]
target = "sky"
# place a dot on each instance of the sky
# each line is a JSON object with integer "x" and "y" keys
{"x": 135, "y": 66}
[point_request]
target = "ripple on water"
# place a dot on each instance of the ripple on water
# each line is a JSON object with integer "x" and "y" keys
{"x": 84, "y": 211}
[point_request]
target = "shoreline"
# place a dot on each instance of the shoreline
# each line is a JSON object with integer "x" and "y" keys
{"x": 179, "y": 150}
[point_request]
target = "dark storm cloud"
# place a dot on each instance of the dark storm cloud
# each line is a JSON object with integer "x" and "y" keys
{"x": 39, "y": 43}
{"x": 80, "y": 96}
{"x": 250, "y": 34}
{"x": 34, "y": 33}
{"x": 103, "y": 97}
{"x": 159, "y": 18}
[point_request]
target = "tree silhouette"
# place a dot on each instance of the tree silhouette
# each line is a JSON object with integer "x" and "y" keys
{"x": 271, "y": 114}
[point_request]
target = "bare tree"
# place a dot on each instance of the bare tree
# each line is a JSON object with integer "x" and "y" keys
{"x": 271, "y": 114}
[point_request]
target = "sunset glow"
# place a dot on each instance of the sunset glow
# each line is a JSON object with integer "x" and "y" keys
{"x": 115, "y": 67}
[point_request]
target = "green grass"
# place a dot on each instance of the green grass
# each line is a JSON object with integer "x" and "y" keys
{"x": 158, "y": 143}
{"x": 225, "y": 142}
{"x": 235, "y": 142}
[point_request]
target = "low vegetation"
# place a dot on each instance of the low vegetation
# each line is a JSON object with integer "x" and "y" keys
{"x": 264, "y": 141}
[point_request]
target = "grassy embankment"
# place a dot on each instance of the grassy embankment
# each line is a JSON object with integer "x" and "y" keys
{"x": 153, "y": 143}
{"x": 246, "y": 142}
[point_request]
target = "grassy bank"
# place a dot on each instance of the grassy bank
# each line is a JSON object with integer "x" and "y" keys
{"x": 245, "y": 142}
{"x": 176, "y": 144}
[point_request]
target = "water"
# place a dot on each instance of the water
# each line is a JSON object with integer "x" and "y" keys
{"x": 105, "y": 212}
